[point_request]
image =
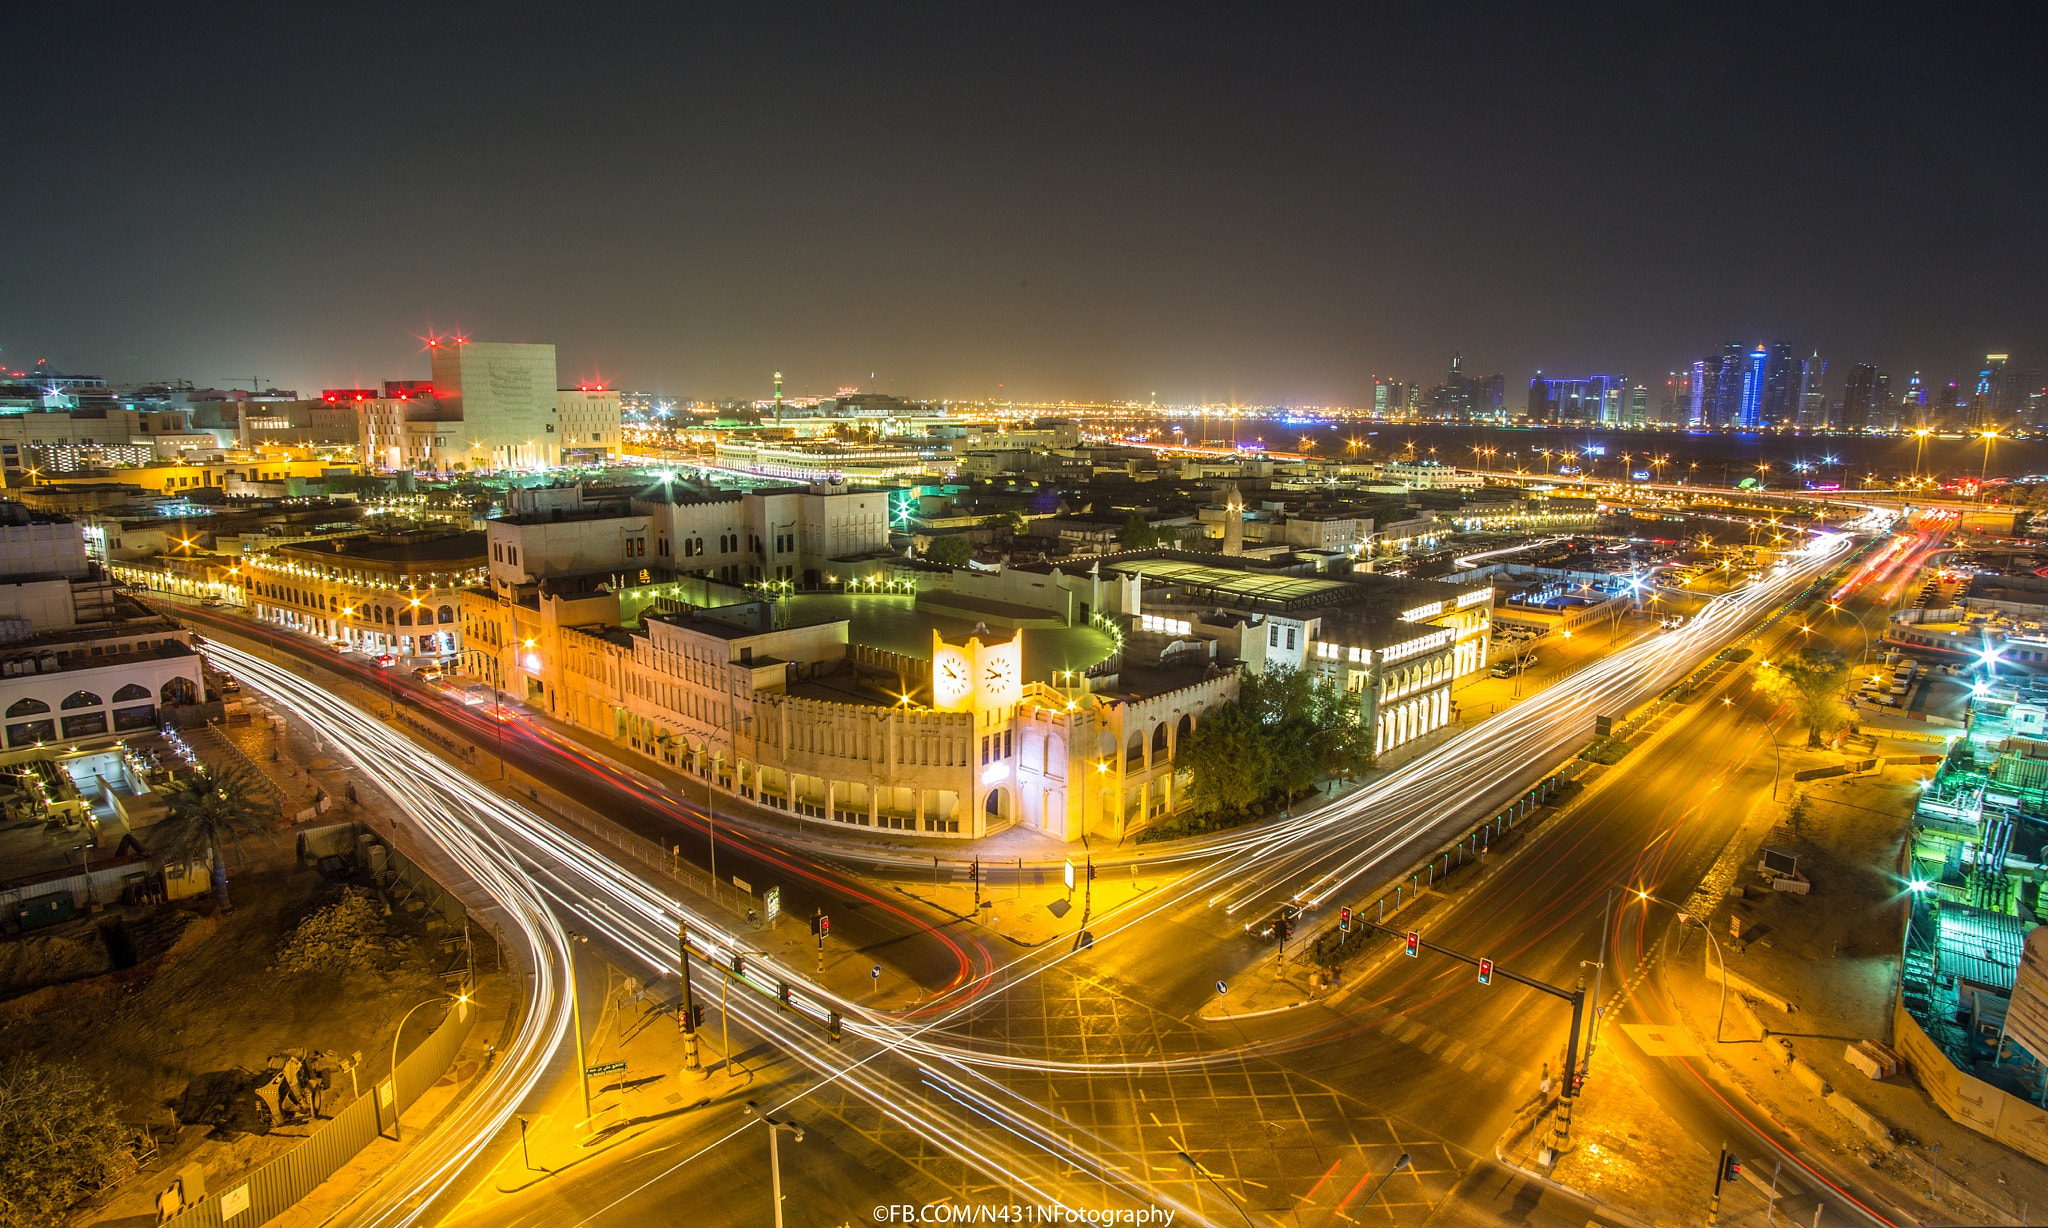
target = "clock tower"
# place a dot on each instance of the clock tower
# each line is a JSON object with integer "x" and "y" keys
{"x": 977, "y": 677}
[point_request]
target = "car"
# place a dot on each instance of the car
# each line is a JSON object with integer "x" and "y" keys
{"x": 428, "y": 673}
{"x": 387, "y": 660}
{"x": 212, "y": 602}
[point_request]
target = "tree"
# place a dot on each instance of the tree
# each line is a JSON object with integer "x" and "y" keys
{"x": 1137, "y": 535}
{"x": 1011, "y": 523}
{"x": 1226, "y": 761}
{"x": 949, "y": 551}
{"x": 62, "y": 1131}
{"x": 1809, "y": 680}
{"x": 210, "y": 809}
{"x": 1285, "y": 730}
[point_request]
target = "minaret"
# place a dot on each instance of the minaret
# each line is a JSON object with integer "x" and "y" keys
{"x": 1233, "y": 520}
{"x": 778, "y": 398}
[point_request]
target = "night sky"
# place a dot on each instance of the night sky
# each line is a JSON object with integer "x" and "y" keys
{"x": 1041, "y": 202}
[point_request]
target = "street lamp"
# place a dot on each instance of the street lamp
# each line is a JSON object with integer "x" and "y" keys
{"x": 1400, "y": 1165}
{"x": 576, "y": 1021}
{"x": 1684, "y": 916}
{"x": 461, "y": 997}
{"x": 1777, "y": 762}
{"x": 775, "y": 1128}
{"x": 1198, "y": 1167}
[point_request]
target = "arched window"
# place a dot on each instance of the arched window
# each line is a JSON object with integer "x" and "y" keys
{"x": 405, "y": 618}
{"x": 27, "y": 707}
{"x": 446, "y": 614}
{"x": 178, "y": 691}
{"x": 1158, "y": 741}
{"x": 131, "y": 691}
{"x": 82, "y": 699}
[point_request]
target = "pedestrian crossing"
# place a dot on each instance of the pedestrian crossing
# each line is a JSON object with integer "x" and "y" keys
{"x": 1444, "y": 1048}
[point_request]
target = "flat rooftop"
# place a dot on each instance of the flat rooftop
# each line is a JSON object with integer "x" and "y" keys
{"x": 893, "y": 623}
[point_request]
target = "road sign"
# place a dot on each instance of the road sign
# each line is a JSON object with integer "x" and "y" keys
{"x": 875, "y": 973}
{"x": 1070, "y": 876}
{"x": 1603, "y": 726}
{"x": 773, "y": 903}
{"x": 1221, "y": 989}
{"x": 604, "y": 1069}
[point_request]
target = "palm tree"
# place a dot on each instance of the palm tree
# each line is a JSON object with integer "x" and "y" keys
{"x": 210, "y": 809}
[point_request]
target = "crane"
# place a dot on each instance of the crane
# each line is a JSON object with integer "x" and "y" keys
{"x": 255, "y": 382}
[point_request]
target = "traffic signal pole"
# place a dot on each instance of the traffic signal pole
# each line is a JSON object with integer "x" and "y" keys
{"x": 1576, "y": 996}
{"x": 689, "y": 1018}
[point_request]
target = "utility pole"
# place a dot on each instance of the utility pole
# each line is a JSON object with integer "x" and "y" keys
{"x": 775, "y": 1152}
{"x": 690, "y": 1059}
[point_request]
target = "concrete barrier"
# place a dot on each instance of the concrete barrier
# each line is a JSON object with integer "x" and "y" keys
{"x": 1747, "y": 988}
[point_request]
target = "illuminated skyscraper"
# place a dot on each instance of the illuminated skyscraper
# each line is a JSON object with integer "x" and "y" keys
{"x": 1749, "y": 411}
{"x": 1813, "y": 397}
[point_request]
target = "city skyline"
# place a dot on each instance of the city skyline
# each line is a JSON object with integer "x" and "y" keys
{"x": 1268, "y": 214}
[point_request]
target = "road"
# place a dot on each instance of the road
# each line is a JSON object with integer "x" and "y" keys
{"x": 1037, "y": 1072}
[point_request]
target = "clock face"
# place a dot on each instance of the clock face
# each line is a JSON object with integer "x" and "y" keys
{"x": 999, "y": 676}
{"x": 952, "y": 678}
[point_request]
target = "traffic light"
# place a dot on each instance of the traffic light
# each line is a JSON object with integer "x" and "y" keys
{"x": 696, "y": 1017}
{"x": 782, "y": 995}
{"x": 1283, "y": 925}
{"x": 1731, "y": 1168}
{"x": 832, "y": 1027}
{"x": 1414, "y": 946}
{"x": 1344, "y": 920}
{"x": 816, "y": 917}
{"x": 974, "y": 871}
{"x": 824, "y": 926}
{"x": 1486, "y": 972}
{"x": 1091, "y": 867}
{"x": 739, "y": 965}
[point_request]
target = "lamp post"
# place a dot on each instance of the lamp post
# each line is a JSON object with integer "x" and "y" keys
{"x": 1400, "y": 1165}
{"x": 1722, "y": 1013}
{"x": 1198, "y": 1167}
{"x": 576, "y": 1022}
{"x": 462, "y": 997}
{"x": 1777, "y": 761}
{"x": 775, "y": 1128}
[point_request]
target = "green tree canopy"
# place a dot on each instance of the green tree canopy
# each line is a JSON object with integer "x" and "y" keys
{"x": 211, "y": 809}
{"x": 1810, "y": 681}
{"x": 1137, "y": 534}
{"x": 61, "y": 1131}
{"x": 1285, "y": 730}
{"x": 953, "y": 551}
{"x": 1011, "y": 523}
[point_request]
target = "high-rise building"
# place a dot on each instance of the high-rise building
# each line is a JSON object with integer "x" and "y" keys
{"x": 504, "y": 393}
{"x": 1813, "y": 399}
{"x": 1700, "y": 411}
{"x": 1721, "y": 378}
{"x": 1749, "y": 413}
{"x": 1779, "y": 404}
{"x": 1638, "y": 412}
{"x": 1863, "y": 399}
{"x": 1582, "y": 398}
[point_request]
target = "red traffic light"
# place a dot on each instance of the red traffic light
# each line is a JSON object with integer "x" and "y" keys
{"x": 1731, "y": 1168}
{"x": 1414, "y": 942}
{"x": 1344, "y": 919}
{"x": 1486, "y": 972}
{"x": 824, "y": 926}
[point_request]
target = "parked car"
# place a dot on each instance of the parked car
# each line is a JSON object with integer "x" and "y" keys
{"x": 387, "y": 660}
{"x": 212, "y": 602}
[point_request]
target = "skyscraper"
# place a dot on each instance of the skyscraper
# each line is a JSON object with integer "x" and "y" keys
{"x": 1730, "y": 366}
{"x": 1750, "y": 410}
{"x": 1780, "y": 401}
{"x": 1700, "y": 399}
{"x": 1862, "y": 398}
{"x": 1813, "y": 401}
